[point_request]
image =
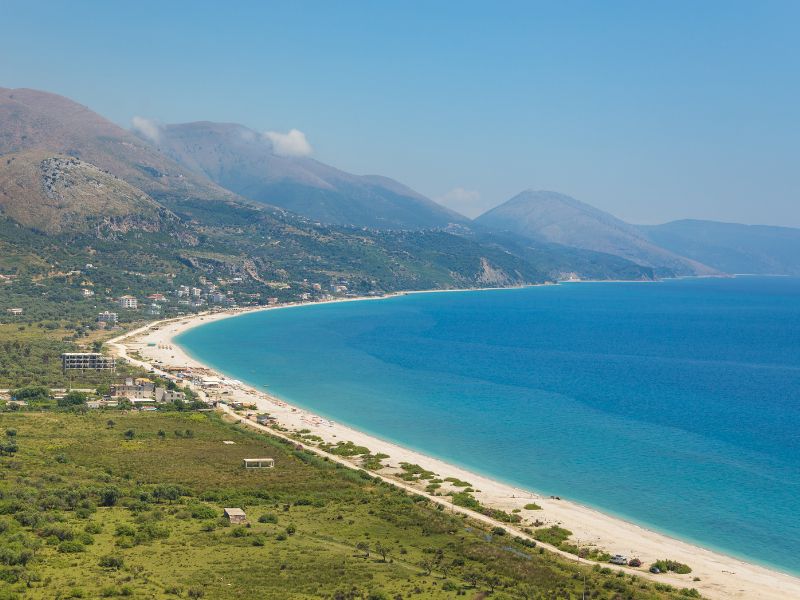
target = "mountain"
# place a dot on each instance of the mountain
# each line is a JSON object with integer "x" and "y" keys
{"x": 36, "y": 120}
{"x": 77, "y": 190}
{"x": 558, "y": 219}
{"x": 730, "y": 247}
{"x": 56, "y": 193}
{"x": 245, "y": 162}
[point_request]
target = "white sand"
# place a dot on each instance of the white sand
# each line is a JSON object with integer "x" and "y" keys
{"x": 720, "y": 576}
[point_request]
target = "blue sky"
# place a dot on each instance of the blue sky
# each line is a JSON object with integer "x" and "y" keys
{"x": 650, "y": 110}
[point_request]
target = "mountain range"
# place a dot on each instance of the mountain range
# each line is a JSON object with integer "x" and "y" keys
{"x": 245, "y": 162}
{"x": 201, "y": 199}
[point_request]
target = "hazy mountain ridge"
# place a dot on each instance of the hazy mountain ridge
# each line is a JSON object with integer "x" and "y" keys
{"x": 245, "y": 162}
{"x": 731, "y": 247}
{"x": 559, "y": 219}
{"x": 109, "y": 184}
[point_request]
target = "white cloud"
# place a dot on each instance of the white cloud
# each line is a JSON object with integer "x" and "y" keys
{"x": 293, "y": 143}
{"x": 467, "y": 202}
{"x": 148, "y": 128}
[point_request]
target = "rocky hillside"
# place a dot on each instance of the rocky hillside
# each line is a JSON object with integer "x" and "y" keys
{"x": 57, "y": 193}
{"x": 35, "y": 120}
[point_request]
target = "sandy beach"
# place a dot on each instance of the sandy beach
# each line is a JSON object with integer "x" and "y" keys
{"x": 720, "y": 576}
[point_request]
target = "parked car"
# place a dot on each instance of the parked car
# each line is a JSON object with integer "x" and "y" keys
{"x": 618, "y": 559}
{"x": 634, "y": 562}
{"x": 655, "y": 569}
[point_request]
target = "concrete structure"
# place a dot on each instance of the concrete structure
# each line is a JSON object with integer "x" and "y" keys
{"x": 134, "y": 391}
{"x": 264, "y": 419}
{"x": 144, "y": 390}
{"x": 235, "y": 515}
{"x": 87, "y": 361}
{"x": 164, "y": 395}
{"x": 110, "y": 318}
{"x": 14, "y": 311}
{"x": 258, "y": 463}
{"x": 128, "y": 302}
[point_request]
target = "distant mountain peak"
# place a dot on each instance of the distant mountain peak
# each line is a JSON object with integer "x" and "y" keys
{"x": 557, "y": 218}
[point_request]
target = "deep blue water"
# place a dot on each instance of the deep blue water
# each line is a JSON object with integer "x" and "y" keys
{"x": 674, "y": 404}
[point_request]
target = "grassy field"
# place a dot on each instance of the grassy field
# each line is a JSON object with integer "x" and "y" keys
{"x": 130, "y": 505}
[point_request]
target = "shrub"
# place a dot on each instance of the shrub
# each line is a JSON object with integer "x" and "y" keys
{"x": 111, "y": 562}
{"x": 268, "y": 518}
{"x": 665, "y": 565}
{"x": 532, "y": 506}
{"x": 70, "y": 547}
{"x": 554, "y": 535}
{"x": 202, "y": 511}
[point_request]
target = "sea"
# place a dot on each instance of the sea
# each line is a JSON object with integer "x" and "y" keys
{"x": 671, "y": 404}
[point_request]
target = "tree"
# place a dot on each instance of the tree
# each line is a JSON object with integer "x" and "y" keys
{"x": 130, "y": 434}
{"x": 382, "y": 550}
{"x": 109, "y": 496}
{"x": 170, "y": 493}
{"x": 492, "y": 581}
{"x": 427, "y": 565}
{"x": 110, "y": 424}
{"x": 73, "y": 398}
{"x": 162, "y": 434}
{"x": 472, "y": 578}
{"x": 363, "y": 547}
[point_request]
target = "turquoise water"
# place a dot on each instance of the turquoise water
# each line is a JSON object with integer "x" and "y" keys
{"x": 674, "y": 404}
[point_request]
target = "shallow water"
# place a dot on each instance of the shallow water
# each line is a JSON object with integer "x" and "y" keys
{"x": 674, "y": 404}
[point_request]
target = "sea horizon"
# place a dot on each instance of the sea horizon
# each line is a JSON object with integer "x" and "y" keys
{"x": 308, "y": 398}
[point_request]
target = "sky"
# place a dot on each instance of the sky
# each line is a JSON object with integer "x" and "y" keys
{"x": 653, "y": 111}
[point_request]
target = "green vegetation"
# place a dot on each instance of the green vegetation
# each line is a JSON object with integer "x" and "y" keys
{"x": 553, "y": 535}
{"x": 86, "y": 511}
{"x": 458, "y": 482}
{"x": 413, "y": 472}
{"x": 344, "y": 449}
{"x": 672, "y": 565}
{"x": 532, "y": 506}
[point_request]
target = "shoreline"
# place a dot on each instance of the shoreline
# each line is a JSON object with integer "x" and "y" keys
{"x": 721, "y": 575}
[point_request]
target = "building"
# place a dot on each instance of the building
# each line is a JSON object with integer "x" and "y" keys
{"x": 165, "y": 395}
{"x": 14, "y": 311}
{"x": 157, "y": 297}
{"x": 87, "y": 293}
{"x": 144, "y": 390}
{"x": 128, "y": 302}
{"x": 258, "y": 463}
{"x": 135, "y": 391}
{"x": 87, "y": 361}
{"x": 235, "y": 515}
{"x": 109, "y": 318}
{"x": 264, "y": 419}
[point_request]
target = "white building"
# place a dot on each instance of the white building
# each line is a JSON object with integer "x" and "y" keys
{"x": 109, "y": 318}
{"x": 128, "y": 302}
{"x": 87, "y": 293}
